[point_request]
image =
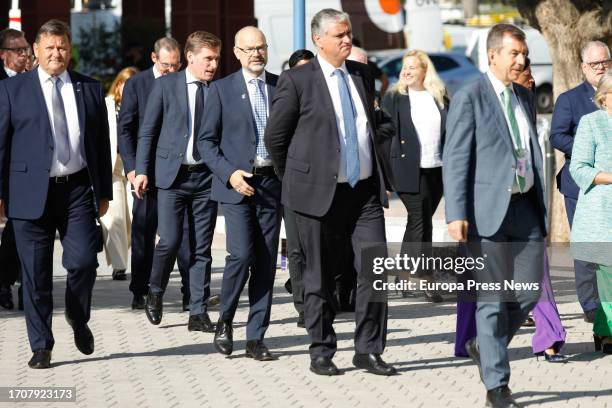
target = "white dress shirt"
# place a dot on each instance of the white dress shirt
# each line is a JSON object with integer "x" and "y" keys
{"x": 523, "y": 125}
{"x": 192, "y": 88}
{"x": 77, "y": 158}
{"x": 259, "y": 161}
{"x": 426, "y": 119}
{"x": 156, "y": 73}
{"x": 9, "y": 72}
{"x": 361, "y": 121}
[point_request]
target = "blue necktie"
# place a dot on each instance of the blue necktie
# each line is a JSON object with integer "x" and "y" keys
{"x": 62, "y": 140}
{"x": 349, "y": 116}
{"x": 261, "y": 115}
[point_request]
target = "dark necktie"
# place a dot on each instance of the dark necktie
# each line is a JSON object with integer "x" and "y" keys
{"x": 197, "y": 118}
{"x": 62, "y": 140}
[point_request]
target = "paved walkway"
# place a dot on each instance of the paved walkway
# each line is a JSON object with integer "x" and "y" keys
{"x": 137, "y": 364}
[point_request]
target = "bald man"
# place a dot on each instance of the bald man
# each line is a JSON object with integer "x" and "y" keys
{"x": 247, "y": 188}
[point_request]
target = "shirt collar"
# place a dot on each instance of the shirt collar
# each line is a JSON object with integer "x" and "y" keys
{"x": 190, "y": 78}
{"x": 248, "y": 77}
{"x": 156, "y": 73}
{"x": 44, "y": 76}
{"x": 327, "y": 68}
{"x": 498, "y": 85}
{"x": 10, "y": 72}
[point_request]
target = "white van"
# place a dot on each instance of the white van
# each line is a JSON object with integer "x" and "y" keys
{"x": 541, "y": 63}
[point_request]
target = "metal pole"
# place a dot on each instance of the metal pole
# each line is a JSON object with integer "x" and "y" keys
{"x": 299, "y": 27}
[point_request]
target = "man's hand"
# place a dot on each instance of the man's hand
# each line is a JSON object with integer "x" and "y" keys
{"x": 2, "y": 210}
{"x": 103, "y": 207}
{"x": 458, "y": 230}
{"x": 239, "y": 183}
{"x": 131, "y": 176}
{"x": 140, "y": 185}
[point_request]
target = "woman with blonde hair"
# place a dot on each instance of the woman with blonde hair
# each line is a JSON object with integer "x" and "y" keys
{"x": 591, "y": 168}
{"x": 418, "y": 105}
{"x": 116, "y": 224}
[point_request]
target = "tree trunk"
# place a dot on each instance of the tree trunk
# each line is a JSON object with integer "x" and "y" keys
{"x": 470, "y": 8}
{"x": 566, "y": 25}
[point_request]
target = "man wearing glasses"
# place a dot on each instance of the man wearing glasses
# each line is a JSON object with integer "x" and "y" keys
{"x": 166, "y": 57}
{"x": 13, "y": 52}
{"x": 569, "y": 108}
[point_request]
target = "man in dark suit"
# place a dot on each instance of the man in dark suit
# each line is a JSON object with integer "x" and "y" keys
{"x": 55, "y": 167}
{"x": 570, "y": 107}
{"x": 247, "y": 188}
{"x": 13, "y": 53}
{"x": 320, "y": 136}
{"x": 166, "y": 57}
{"x": 494, "y": 194}
{"x": 168, "y": 133}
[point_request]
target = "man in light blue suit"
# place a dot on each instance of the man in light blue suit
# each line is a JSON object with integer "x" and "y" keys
{"x": 169, "y": 134}
{"x": 493, "y": 188}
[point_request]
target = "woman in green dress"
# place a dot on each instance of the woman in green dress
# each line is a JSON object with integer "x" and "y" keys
{"x": 591, "y": 168}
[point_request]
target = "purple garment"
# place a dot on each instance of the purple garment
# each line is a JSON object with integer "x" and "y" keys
{"x": 549, "y": 329}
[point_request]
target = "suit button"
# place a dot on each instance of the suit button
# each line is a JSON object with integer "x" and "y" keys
{"x": 338, "y": 150}
{"x": 403, "y": 155}
{"x": 180, "y": 155}
{"x": 186, "y": 136}
{"x": 254, "y": 143}
{"x": 403, "y": 141}
{"x": 251, "y": 161}
{"x": 335, "y": 177}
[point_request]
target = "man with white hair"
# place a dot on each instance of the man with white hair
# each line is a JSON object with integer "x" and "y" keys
{"x": 358, "y": 54}
{"x": 570, "y": 107}
{"x": 320, "y": 135}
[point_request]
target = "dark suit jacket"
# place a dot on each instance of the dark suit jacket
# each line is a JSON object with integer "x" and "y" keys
{"x": 570, "y": 107}
{"x": 131, "y": 115}
{"x": 3, "y": 74}
{"x": 405, "y": 149}
{"x": 228, "y": 137}
{"x": 26, "y": 142}
{"x": 302, "y": 136}
{"x": 479, "y": 162}
{"x": 164, "y": 132}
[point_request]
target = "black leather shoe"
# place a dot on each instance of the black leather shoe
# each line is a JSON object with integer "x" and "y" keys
{"x": 119, "y": 274}
{"x": 40, "y": 359}
{"x": 472, "y": 349}
{"x": 529, "y": 322}
{"x": 589, "y": 315}
{"x": 185, "y": 303}
{"x": 301, "y": 322}
{"x": 323, "y": 366}
{"x": 6, "y": 297}
{"x": 257, "y": 350}
{"x": 288, "y": 286}
{"x": 373, "y": 363}
{"x": 154, "y": 308}
{"x": 213, "y": 300}
{"x": 138, "y": 302}
{"x": 201, "y": 323}
{"x": 223, "y": 341}
{"x": 500, "y": 397}
{"x": 83, "y": 338}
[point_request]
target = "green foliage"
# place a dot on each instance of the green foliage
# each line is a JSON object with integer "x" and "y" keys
{"x": 99, "y": 51}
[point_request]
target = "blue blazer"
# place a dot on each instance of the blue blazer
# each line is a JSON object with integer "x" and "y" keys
{"x": 164, "y": 132}
{"x": 26, "y": 142}
{"x": 479, "y": 163}
{"x": 570, "y": 107}
{"x": 131, "y": 115}
{"x": 228, "y": 138}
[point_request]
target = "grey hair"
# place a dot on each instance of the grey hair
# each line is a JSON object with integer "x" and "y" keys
{"x": 603, "y": 87}
{"x": 323, "y": 18}
{"x": 166, "y": 43}
{"x": 592, "y": 44}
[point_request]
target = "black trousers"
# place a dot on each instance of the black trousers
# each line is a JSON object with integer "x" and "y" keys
{"x": 9, "y": 260}
{"x": 189, "y": 196}
{"x": 421, "y": 207}
{"x": 357, "y": 213}
{"x": 296, "y": 258}
{"x": 144, "y": 230}
{"x": 70, "y": 210}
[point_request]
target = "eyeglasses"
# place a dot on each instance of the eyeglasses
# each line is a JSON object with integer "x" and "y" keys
{"x": 19, "y": 50}
{"x": 599, "y": 64}
{"x": 250, "y": 51}
{"x": 166, "y": 65}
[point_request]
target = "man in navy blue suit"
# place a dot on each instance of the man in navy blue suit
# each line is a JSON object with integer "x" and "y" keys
{"x": 169, "y": 135}
{"x": 55, "y": 168}
{"x": 570, "y": 107}
{"x": 247, "y": 187}
{"x": 166, "y": 57}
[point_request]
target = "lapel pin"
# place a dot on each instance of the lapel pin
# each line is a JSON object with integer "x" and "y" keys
{"x": 243, "y": 96}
